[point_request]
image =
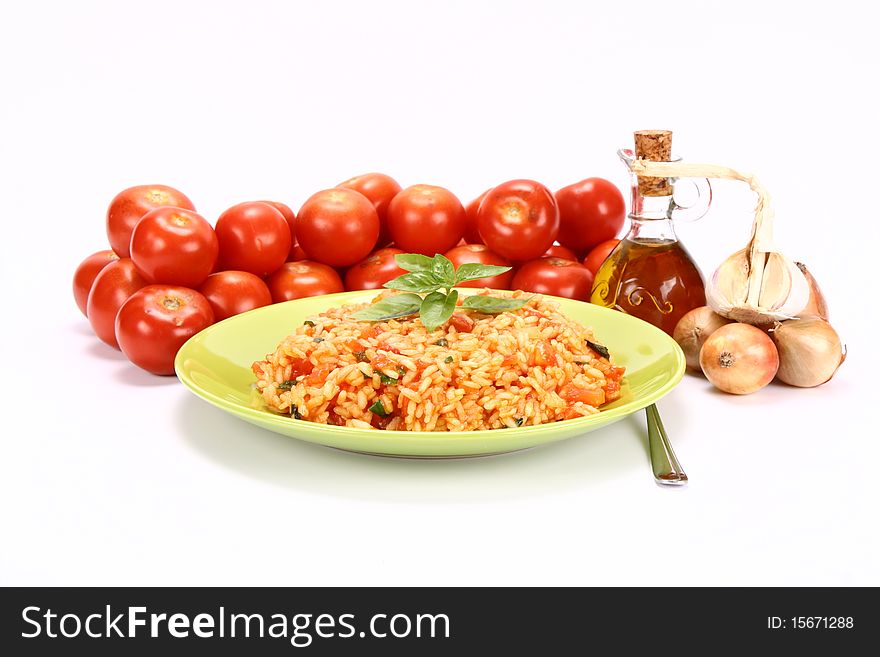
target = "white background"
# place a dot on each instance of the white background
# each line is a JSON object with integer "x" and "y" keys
{"x": 113, "y": 476}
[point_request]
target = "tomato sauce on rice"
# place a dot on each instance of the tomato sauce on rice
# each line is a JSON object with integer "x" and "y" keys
{"x": 522, "y": 367}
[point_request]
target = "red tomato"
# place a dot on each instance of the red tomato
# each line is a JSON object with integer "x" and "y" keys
{"x": 131, "y": 204}
{"x": 296, "y": 254}
{"x": 290, "y": 217}
{"x": 337, "y": 227}
{"x": 426, "y": 219}
{"x": 472, "y": 231}
{"x": 174, "y": 246}
{"x": 598, "y": 254}
{"x": 154, "y": 322}
{"x": 590, "y": 211}
{"x": 295, "y": 280}
{"x": 234, "y": 292}
{"x": 254, "y": 237}
{"x": 519, "y": 219}
{"x": 480, "y": 253}
{"x": 561, "y": 278}
{"x": 113, "y": 285}
{"x": 85, "y": 275}
{"x": 558, "y": 251}
{"x": 380, "y": 189}
{"x": 374, "y": 271}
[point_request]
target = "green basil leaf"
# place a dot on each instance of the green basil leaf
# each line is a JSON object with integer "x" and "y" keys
{"x": 492, "y": 305}
{"x": 414, "y": 262}
{"x": 294, "y": 412}
{"x": 471, "y": 271}
{"x": 416, "y": 281}
{"x": 400, "y": 305}
{"x": 387, "y": 380}
{"x": 437, "y": 308}
{"x": 519, "y": 421}
{"x": 308, "y": 322}
{"x": 379, "y": 409}
{"x": 448, "y": 359}
{"x": 599, "y": 349}
{"x": 286, "y": 385}
{"x": 444, "y": 270}
{"x": 442, "y": 342}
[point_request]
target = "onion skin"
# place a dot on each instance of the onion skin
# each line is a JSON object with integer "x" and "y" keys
{"x": 693, "y": 329}
{"x": 739, "y": 359}
{"x": 810, "y": 351}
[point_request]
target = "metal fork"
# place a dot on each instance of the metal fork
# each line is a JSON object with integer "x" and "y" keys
{"x": 667, "y": 470}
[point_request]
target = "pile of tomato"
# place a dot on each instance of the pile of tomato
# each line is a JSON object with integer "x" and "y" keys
{"x": 169, "y": 273}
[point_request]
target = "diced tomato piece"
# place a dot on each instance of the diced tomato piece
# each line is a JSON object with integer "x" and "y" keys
{"x": 591, "y": 396}
{"x": 462, "y": 323}
{"x": 257, "y": 369}
{"x": 381, "y": 363}
{"x": 318, "y": 375}
{"x": 571, "y": 414}
{"x": 381, "y": 422}
{"x": 371, "y": 332}
{"x": 510, "y": 360}
{"x": 335, "y": 419}
{"x": 384, "y": 346}
{"x": 615, "y": 373}
{"x": 542, "y": 355}
{"x": 354, "y": 345}
{"x": 299, "y": 367}
{"x": 612, "y": 390}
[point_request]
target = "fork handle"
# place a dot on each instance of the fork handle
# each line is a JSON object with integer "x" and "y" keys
{"x": 667, "y": 470}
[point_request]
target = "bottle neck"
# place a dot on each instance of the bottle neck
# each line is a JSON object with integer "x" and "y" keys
{"x": 651, "y": 217}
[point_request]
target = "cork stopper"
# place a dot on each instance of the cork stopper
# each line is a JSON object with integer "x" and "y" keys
{"x": 654, "y": 145}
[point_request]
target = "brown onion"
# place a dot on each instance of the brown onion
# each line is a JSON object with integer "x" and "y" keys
{"x": 693, "y": 329}
{"x": 809, "y": 351}
{"x": 739, "y": 358}
{"x": 816, "y": 306}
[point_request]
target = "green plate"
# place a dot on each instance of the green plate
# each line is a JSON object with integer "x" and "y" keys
{"x": 216, "y": 366}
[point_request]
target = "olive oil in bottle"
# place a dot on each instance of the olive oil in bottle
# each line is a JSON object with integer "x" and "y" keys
{"x": 655, "y": 280}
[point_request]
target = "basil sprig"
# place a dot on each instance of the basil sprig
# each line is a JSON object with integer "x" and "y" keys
{"x": 435, "y": 277}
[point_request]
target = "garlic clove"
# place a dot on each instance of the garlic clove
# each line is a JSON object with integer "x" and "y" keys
{"x": 816, "y": 305}
{"x": 784, "y": 290}
{"x": 729, "y": 284}
{"x": 775, "y": 282}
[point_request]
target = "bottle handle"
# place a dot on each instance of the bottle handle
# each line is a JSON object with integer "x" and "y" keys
{"x": 699, "y": 207}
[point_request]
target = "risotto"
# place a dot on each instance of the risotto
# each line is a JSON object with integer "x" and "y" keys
{"x": 523, "y": 367}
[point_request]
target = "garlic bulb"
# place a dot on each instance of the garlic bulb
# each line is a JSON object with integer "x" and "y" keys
{"x": 757, "y": 285}
{"x": 758, "y": 288}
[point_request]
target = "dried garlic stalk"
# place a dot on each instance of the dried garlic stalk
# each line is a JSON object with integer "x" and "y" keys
{"x": 757, "y": 285}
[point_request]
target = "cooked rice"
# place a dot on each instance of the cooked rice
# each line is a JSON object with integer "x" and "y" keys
{"x": 524, "y": 367}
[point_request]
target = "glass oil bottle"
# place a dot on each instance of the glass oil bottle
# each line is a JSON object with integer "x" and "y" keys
{"x": 650, "y": 274}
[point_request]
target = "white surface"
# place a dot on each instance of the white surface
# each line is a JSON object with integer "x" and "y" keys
{"x": 112, "y": 476}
